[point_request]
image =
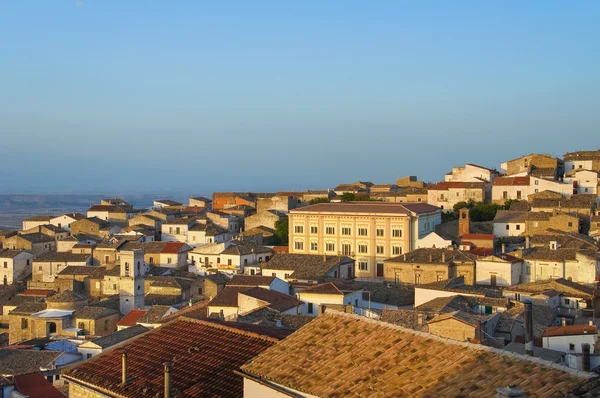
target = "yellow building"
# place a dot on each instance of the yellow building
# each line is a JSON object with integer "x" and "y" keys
{"x": 369, "y": 232}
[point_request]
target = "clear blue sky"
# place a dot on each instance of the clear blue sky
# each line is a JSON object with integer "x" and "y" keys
{"x": 168, "y": 96}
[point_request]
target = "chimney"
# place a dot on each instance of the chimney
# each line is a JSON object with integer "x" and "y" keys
{"x": 443, "y": 257}
{"x": 563, "y": 321}
{"x": 503, "y": 248}
{"x": 591, "y": 323}
{"x": 324, "y": 258}
{"x": 404, "y": 257}
{"x": 124, "y": 368}
{"x": 431, "y": 258}
{"x": 419, "y": 319}
{"x": 585, "y": 358}
{"x": 221, "y": 315}
{"x": 553, "y": 245}
{"x": 509, "y": 391}
{"x": 168, "y": 366}
{"x": 527, "y": 242}
{"x": 528, "y": 327}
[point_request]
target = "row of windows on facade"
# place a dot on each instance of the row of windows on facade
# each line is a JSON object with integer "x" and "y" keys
{"x": 363, "y": 248}
{"x": 361, "y": 231}
{"x": 442, "y": 196}
{"x": 6, "y": 263}
{"x": 229, "y": 261}
{"x": 535, "y": 224}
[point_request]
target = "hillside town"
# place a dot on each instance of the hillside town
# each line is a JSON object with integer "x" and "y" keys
{"x": 482, "y": 284}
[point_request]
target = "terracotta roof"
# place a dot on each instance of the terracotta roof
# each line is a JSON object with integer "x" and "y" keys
{"x": 132, "y": 317}
{"x": 239, "y": 249}
{"x": 510, "y": 181}
{"x": 172, "y": 248}
{"x": 162, "y": 299}
{"x": 275, "y": 300}
{"x": 444, "y": 186}
{"x": 510, "y": 216}
{"x": 91, "y": 270}
{"x": 37, "y": 238}
{"x": 569, "y": 330}
{"x": 367, "y": 208}
{"x": 186, "y": 343}
{"x": 39, "y": 218}
{"x": 404, "y": 318}
{"x": 251, "y": 280}
{"x": 34, "y": 385}
{"x": 305, "y": 266}
{"x": 28, "y": 308}
{"x": 168, "y": 202}
{"x": 347, "y": 355}
{"x": 36, "y": 292}
{"x": 196, "y": 311}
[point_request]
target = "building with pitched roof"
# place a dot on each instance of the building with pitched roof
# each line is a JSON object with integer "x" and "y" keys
{"x": 369, "y": 232}
{"x": 499, "y": 270}
{"x": 269, "y": 282}
{"x": 47, "y": 266}
{"x": 91, "y": 348}
{"x": 15, "y": 265}
{"x": 553, "y": 262}
{"x": 182, "y": 346}
{"x": 584, "y": 160}
{"x": 471, "y": 173}
{"x": 401, "y": 362}
{"x": 239, "y": 300}
{"x": 430, "y": 265}
{"x": 308, "y": 269}
{"x": 331, "y": 295}
{"x": 230, "y": 257}
{"x": 446, "y": 194}
{"x": 35, "y": 243}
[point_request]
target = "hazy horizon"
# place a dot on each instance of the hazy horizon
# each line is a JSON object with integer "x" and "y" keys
{"x": 130, "y": 97}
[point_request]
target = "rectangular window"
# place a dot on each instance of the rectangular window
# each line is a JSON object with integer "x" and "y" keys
{"x": 313, "y": 246}
{"x": 346, "y": 231}
{"x": 380, "y": 249}
{"x": 505, "y": 195}
{"x": 228, "y": 261}
{"x": 507, "y": 227}
{"x": 299, "y": 229}
{"x": 570, "y": 225}
{"x": 310, "y": 308}
{"x": 396, "y": 250}
{"x": 362, "y": 248}
{"x": 537, "y": 182}
{"x": 380, "y": 231}
{"x": 417, "y": 279}
{"x": 330, "y": 230}
{"x": 169, "y": 260}
{"x": 88, "y": 356}
{"x": 313, "y": 229}
{"x": 567, "y": 301}
{"x": 518, "y": 194}
{"x": 346, "y": 249}
{"x": 330, "y": 246}
{"x": 6, "y": 264}
{"x": 299, "y": 245}
{"x": 24, "y": 323}
{"x": 362, "y": 231}
{"x": 363, "y": 265}
{"x": 397, "y": 233}
{"x": 518, "y": 227}
{"x": 571, "y": 347}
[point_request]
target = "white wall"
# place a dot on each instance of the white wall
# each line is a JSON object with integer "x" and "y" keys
{"x": 577, "y": 164}
{"x": 514, "y": 229}
{"x": 433, "y": 240}
{"x": 317, "y": 300}
{"x": 561, "y": 343}
{"x": 281, "y": 286}
{"x": 253, "y": 389}
{"x": 507, "y": 274}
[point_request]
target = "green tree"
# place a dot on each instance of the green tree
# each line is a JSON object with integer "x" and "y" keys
{"x": 318, "y": 200}
{"x": 509, "y": 202}
{"x": 282, "y": 231}
{"x": 348, "y": 197}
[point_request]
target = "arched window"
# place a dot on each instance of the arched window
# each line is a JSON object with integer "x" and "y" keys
{"x": 81, "y": 325}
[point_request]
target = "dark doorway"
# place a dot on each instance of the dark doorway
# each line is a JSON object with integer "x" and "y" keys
{"x": 380, "y": 270}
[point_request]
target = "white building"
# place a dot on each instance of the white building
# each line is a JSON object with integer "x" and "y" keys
{"x": 15, "y": 265}
{"x": 551, "y": 263}
{"x": 433, "y": 240}
{"x": 229, "y": 257}
{"x": 569, "y": 338}
{"x": 177, "y": 230}
{"x": 498, "y": 270}
{"x": 91, "y": 348}
{"x": 64, "y": 221}
{"x": 583, "y": 181}
{"x": 519, "y": 188}
{"x": 509, "y": 223}
{"x": 472, "y": 173}
{"x": 331, "y": 294}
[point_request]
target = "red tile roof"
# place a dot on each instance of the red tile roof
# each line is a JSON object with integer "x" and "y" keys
{"x": 131, "y": 318}
{"x": 36, "y": 292}
{"x": 204, "y": 354}
{"x": 34, "y": 385}
{"x": 512, "y": 181}
{"x": 172, "y": 248}
{"x": 570, "y": 330}
{"x": 281, "y": 249}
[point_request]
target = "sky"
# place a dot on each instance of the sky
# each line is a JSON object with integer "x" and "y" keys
{"x": 171, "y": 96}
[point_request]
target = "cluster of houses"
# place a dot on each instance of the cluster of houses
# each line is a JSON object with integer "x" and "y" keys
{"x": 123, "y": 301}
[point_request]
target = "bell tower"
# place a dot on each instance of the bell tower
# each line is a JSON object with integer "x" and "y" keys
{"x": 131, "y": 281}
{"x": 464, "y": 222}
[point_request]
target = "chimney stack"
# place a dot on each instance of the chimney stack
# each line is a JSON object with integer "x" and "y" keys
{"x": 563, "y": 321}
{"x": 324, "y": 258}
{"x": 503, "y": 248}
{"x": 585, "y": 358}
{"x": 419, "y": 319}
{"x": 124, "y": 368}
{"x": 443, "y": 257}
{"x": 527, "y": 242}
{"x": 221, "y": 315}
{"x": 168, "y": 366}
{"x": 528, "y": 327}
{"x": 431, "y": 258}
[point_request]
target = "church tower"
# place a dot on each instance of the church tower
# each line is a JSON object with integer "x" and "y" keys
{"x": 131, "y": 282}
{"x": 464, "y": 222}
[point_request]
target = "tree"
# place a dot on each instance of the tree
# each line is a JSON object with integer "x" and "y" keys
{"x": 318, "y": 200}
{"x": 348, "y": 197}
{"x": 509, "y": 202}
{"x": 282, "y": 231}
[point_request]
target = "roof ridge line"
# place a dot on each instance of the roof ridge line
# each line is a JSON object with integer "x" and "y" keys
{"x": 226, "y": 327}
